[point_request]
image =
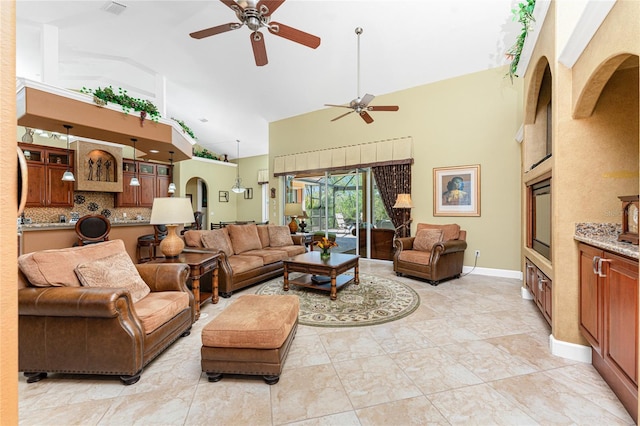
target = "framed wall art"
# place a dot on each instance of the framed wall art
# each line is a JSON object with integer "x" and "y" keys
{"x": 223, "y": 196}
{"x": 456, "y": 191}
{"x": 248, "y": 194}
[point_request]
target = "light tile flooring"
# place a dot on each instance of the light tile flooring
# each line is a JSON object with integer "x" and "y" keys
{"x": 473, "y": 353}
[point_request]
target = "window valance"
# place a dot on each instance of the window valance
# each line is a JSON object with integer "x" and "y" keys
{"x": 386, "y": 152}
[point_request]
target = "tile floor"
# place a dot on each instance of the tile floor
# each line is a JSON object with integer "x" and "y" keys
{"x": 474, "y": 352}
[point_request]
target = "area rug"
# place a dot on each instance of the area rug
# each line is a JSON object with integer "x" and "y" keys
{"x": 374, "y": 301}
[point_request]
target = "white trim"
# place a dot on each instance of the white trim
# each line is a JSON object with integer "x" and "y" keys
{"x": 539, "y": 14}
{"x": 502, "y": 273}
{"x": 209, "y": 160}
{"x": 568, "y": 350}
{"x": 525, "y": 294}
{"x": 592, "y": 17}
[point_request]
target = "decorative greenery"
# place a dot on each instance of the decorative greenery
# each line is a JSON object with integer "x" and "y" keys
{"x": 205, "y": 153}
{"x": 103, "y": 96}
{"x": 524, "y": 15}
{"x": 186, "y": 128}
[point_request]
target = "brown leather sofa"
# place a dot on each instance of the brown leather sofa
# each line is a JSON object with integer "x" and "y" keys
{"x": 435, "y": 254}
{"x": 249, "y": 253}
{"x": 76, "y": 317}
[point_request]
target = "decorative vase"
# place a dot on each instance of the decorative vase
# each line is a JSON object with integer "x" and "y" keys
{"x": 325, "y": 254}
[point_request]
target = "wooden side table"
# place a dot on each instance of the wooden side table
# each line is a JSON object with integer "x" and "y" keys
{"x": 200, "y": 263}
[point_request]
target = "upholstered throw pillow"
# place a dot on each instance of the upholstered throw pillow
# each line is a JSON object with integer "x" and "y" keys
{"x": 426, "y": 238}
{"x": 450, "y": 231}
{"x": 217, "y": 239}
{"x": 113, "y": 271}
{"x": 280, "y": 236}
{"x": 244, "y": 238}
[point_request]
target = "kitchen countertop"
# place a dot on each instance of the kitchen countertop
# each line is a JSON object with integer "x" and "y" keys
{"x": 52, "y": 226}
{"x": 605, "y": 236}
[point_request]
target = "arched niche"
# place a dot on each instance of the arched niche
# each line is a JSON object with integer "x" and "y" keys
{"x": 590, "y": 93}
{"x": 538, "y": 115}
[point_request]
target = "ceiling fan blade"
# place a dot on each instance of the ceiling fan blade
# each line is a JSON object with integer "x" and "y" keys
{"x": 259, "y": 50}
{"x": 215, "y": 30}
{"x": 293, "y": 34}
{"x": 233, "y": 5}
{"x": 366, "y": 99}
{"x": 337, "y": 106}
{"x": 271, "y": 6}
{"x": 366, "y": 117}
{"x": 383, "y": 108}
{"x": 343, "y": 115}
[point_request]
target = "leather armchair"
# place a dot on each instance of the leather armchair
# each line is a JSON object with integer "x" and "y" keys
{"x": 443, "y": 262}
{"x": 100, "y": 330}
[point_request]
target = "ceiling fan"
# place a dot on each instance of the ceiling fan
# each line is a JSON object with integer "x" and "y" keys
{"x": 361, "y": 104}
{"x": 257, "y": 15}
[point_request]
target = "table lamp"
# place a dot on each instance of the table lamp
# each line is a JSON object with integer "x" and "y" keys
{"x": 403, "y": 201}
{"x": 302, "y": 223}
{"x": 171, "y": 211}
{"x": 294, "y": 210}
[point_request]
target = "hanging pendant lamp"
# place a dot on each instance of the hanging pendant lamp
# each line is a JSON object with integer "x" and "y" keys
{"x": 68, "y": 175}
{"x": 172, "y": 186}
{"x": 134, "y": 179}
{"x": 237, "y": 187}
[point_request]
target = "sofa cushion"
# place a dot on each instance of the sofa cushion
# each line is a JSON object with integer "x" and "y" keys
{"x": 159, "y": 307}
{"x": 217, "y": 239}
{"x": 253, "y": 321}
{"x": 241, "y": 263}
{"x": 450, "y": 231}
{"x": 115, "y": 271}
{"x": 244, "y": 238}
{"x": 426, "y": 238}
{"x": 415, "y": 256}
{"x": 193, "y": 238}
{"x": 268, "y": 255}
{"x": 292, "y": 250}
{"x": 263, "y": 233}
{"x": 55, "y": 267}
{"x": 280, "y": 236}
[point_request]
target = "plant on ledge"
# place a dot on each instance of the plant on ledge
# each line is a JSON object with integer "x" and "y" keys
{"x": 106, "y": 95}
{"x": 205, "y": 153}
{"x": 524, "y": 15}
{"x": 185, "y": 128}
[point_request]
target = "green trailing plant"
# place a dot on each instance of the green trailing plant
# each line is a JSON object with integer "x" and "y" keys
{"x": 185, "y": 128}
{"x": 102, "y": 96}
{"x": 205, "y": 153}
{"x": 524, "y": 15}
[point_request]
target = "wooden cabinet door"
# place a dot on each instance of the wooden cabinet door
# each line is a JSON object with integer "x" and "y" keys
{"x": 147, "y": 190}
{"x": 129, "y": 195}
{"x": 59, "y": 193}
{"x": 162, "y": 186}
{"x": 591, "y": 317}
{"x": 531, "y": 278}
{"x": 36, "y": 185}
{"x": 548, "y": 299}
{"x": 621, "y": 314}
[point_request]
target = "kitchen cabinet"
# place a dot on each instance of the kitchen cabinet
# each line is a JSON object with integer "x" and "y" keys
{"x": 540, "y": 287}
{"x": 45, "y": 166}
{"x": 609, "y": 319}
{"x": 151, "y": 177}
{"x": 163, "y": 179}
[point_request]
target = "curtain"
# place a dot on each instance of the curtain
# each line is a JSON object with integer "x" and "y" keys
{"x": 263, "y": 176}
{"x": 394, "y": 179}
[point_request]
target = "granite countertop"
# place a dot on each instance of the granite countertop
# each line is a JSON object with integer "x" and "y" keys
{"x": 605, "y": 236}
{"x": 55, "y": 225}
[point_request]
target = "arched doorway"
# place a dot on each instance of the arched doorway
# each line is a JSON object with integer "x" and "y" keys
{"x": 198, "y": 191}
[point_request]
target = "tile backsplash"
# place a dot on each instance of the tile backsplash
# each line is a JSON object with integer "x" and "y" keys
{"x": 85, "y": 203}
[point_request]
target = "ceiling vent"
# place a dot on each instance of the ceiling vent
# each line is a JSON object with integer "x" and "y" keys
{"x": 113, "y": 7}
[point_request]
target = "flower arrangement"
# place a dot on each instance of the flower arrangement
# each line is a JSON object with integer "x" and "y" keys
{"x": 325, "y": 244}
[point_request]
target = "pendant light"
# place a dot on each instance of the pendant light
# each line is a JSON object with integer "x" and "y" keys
{"x": 237, "y": 187}
{"x": 134, "y": 179}
{"x": 172, "y": 186}
{"x": 68, "y": 175}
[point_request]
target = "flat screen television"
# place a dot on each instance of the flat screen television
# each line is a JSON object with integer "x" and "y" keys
{"x": 539, "y": 220}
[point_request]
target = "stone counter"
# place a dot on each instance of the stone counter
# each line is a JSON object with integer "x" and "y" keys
{"x": 57, "y": 226}
{"x": 605, "y": 236}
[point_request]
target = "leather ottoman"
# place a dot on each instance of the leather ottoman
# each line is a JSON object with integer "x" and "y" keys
{"x": 252, "y": 336}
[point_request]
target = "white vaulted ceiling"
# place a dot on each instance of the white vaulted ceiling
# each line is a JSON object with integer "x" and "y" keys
{"x": 147, "y": 50}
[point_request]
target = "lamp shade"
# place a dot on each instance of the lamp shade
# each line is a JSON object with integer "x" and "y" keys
{"x": 293, "y": 209}
{"x": 403, "y": 202}
{"x": 171, "y": 211}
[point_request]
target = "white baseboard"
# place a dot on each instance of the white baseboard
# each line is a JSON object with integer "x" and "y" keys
{"x": 503, "y": 273}
{"x": 568, "y": 350}
{"x": 525, "y": 294}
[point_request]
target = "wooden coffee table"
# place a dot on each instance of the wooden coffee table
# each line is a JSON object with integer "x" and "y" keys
{"x": 312, "y": 265}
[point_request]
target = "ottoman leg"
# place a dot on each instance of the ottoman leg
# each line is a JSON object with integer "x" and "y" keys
{"x": 271, "y": 380}
{"x": 214, "y": 377}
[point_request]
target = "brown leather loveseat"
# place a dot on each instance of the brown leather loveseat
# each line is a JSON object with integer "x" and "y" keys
{"x": 435, "y": 254}
{"x": 90, "y": 310}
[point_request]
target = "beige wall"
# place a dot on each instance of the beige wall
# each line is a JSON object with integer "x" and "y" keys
{"x": 251, "y": 209}
{"x": 461, "y": 121}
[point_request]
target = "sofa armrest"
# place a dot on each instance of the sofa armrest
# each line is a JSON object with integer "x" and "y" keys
{"x": 165, "y": 276}
{"x": 73, "y": 301}
{"x": 405, "y": 243}
{"x": 450, "y": 246}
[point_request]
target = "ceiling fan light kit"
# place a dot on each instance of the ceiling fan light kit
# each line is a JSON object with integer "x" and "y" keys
{"x": 257, "y": 16}
{"x": 361, "y": 105}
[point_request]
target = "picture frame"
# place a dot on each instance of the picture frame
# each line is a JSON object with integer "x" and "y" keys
{"x": 223, "y": 196}
{"x": 456, "y": 191}
{"x": 248, "y": 194}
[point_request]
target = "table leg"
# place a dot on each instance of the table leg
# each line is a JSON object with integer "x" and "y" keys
{"x": 334, "y": 291}
{"x": 356, "y": 272}
{"x": 195, "y": 287}
{"x": 286, "y": 278}
{"x": 214, "y": 296}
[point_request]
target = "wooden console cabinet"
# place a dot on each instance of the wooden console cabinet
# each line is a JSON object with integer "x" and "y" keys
{"x": 540, "y": 287}
{"x": 45, "y": 166}
{"x": 609, "y": 319}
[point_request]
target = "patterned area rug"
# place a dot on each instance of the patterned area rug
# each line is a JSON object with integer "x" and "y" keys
{"x": 374, "y": 301}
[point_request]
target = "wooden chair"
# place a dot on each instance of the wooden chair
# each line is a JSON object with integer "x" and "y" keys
{"x": 151, "y": 242}
{"x": 92, "y": 229}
